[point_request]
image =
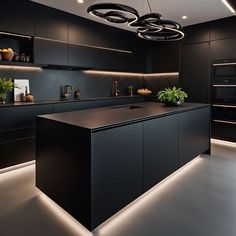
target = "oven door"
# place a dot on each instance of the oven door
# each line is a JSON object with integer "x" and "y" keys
{"x": 224, "y": 72}
{"x": 225, "y": 94}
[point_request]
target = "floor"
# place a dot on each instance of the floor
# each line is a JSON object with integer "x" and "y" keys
{"x": 198, "y": 200}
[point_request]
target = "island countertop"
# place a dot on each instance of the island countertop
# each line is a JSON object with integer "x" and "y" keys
{"x": 100, "y": 118}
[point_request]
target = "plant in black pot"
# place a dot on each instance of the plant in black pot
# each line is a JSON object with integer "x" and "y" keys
{"x": 6, "y": 85}
{"x": 172, "y": 96}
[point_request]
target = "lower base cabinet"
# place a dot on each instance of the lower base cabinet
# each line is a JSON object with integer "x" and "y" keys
{"x": 160, "y": 149}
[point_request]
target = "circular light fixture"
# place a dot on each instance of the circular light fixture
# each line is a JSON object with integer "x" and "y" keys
{"x": 149, "y": 26}
{"x": 116, "y": 13}
{"x": 80, "y": 1}
{"x": 184, "y": 17}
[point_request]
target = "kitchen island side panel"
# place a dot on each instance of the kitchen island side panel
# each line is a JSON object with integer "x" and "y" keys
{"x": 63, "y": 166}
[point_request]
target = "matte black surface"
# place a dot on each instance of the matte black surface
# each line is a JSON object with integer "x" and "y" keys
{"x": 17, "y": 17}
{"x": 117, "y": 170}
{"x": 196, "y": 34}
{"x": 160, "y": 149}
{"x": 63, "y": 166}
{"x": 223, "y": 49}
{"x": 194, "y": 134}
{"x": 101, "y": 118}
{"x": 50, "y": 52}
{"x": 223, "y": 28}
{"x": 224, "y": 131}
{"x": 195, "y": 72}
{"x": 51, "y": 23}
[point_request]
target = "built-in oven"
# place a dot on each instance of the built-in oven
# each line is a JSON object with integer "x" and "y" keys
{"x": 224, "y": 71}
{"x": 224, "y": 94}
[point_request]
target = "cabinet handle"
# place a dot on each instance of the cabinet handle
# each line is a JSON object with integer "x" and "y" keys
{"x": 225, "y": 122}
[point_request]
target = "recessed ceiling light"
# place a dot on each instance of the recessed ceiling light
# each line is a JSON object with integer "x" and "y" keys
{"x": 228, "y": 5}
{"x": 184, "y": 17}
{"x": 80, "y": 1}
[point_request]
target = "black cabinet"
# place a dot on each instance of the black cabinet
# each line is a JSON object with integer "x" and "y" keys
{"x": 223, "y": 28}
{"x": 159, "y": 159}
{"x": 51, "y": 23}
{"x": 99, "y": 58}
{"x": 118, "y": 153}
{"x": 50, "y": 52}
{"x": 165, "y": 57}
{"x": 195, "y": 71}
{"x": 194, "y": 132}
{"x": 17, "y": 133}
{"x": 17, "y": 17}
{"x": 196, "y": 34}
{"x": 223, "y": 49}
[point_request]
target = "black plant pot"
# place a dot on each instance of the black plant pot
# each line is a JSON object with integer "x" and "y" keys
{"x": 178, "y": 103}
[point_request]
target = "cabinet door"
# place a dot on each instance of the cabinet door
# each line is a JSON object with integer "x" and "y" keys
{"x": 99, "y": 58}
{"x": 194, "y": 134}
{"x": 116, "y": 152}
{"x": 17, "y": 17}
{"x": 160, "y": 149}
{"x": 195, "y": 71}
{"x": 50, "y": 52}
{"x": 223, "y": 49}
{"x": 165, "y": 57}
{"x": 51, "y": 23}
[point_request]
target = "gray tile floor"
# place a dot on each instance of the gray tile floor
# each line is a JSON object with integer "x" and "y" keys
{"x": 198, "y": 200}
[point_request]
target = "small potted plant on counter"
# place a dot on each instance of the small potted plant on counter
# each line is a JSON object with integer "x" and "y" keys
{"x": 172, "y": 96}
{"x": 6, "y": 85}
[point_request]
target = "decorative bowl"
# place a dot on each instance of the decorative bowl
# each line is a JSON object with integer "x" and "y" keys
{"x": 144, "y": 92}
{"x": 7, "y": 56}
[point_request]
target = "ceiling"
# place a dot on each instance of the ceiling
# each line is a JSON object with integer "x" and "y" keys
{"x": 198, "y": 11}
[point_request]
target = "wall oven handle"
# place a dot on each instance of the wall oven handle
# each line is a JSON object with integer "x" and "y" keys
{"x": 224, "y": 85}
{"x": 226, "y": 106}
{"x": 225, "y": 122}
{"x": 224, "y": 64}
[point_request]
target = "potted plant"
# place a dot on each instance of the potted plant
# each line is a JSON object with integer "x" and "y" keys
{"x": 6, "y": 85}
{"x": 172, "y": 96}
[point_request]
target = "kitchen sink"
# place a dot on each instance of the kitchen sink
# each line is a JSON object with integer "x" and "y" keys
{"x": 129, "y": 107}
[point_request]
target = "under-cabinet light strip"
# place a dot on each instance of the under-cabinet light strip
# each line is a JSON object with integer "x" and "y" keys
{"x": 16, "y": 167}
{"x": 227, "y": 106}
{"x": 224, "y": 64}
{"x": 222, "y": 142}
{"x": 87, "y": 45}
{"x": 127, "y": 73}
{"x": 20, "y": 67}
{"x": 17, "y": 35}
{"x": 228, "y": 6}
{"x": 225, "y": 122}
{"x": 224, "y": 85}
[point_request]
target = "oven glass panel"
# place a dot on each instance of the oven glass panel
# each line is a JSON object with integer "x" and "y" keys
{"x": 227, "y": 71}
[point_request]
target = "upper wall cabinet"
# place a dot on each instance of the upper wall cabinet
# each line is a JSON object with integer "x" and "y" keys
{"x": 196, "y": 34}
{"x": 224, "y": 28}
{"x": 223, "y": 49}
{"x": 50, "y": 52}
{"x": 17, "y": 17}
{"x": 165, "y": 57}
{"x": 51, "y": 23}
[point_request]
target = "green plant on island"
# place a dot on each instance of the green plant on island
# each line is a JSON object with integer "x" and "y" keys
{"x": 172, "y": 96}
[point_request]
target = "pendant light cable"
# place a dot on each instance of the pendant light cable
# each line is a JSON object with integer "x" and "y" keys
{"x": 149, "y": 6}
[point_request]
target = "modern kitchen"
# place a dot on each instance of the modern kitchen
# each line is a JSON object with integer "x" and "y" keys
{"x": 117, "y": 118}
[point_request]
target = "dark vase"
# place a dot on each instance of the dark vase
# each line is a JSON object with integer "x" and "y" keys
{"x": 178, "y": 103}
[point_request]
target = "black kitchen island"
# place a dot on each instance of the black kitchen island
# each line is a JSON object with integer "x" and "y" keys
{"x": 94, "y": 162}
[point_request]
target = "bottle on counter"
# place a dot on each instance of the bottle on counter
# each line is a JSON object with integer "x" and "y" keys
{"x": 77, "y": 94}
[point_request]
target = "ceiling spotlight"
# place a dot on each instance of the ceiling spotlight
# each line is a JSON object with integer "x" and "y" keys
{"x": 150, "y": 26}
{"x": 228, "y": 5}
{"x": 80, "y": 1}
{"x": 184, "y": 17}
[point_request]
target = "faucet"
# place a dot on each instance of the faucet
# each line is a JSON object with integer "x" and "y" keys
{"x": 67, "y": 91}
{"x": 115, "y": 91}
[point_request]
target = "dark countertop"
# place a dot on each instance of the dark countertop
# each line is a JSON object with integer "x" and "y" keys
{"x": 16, "y": 104}
{"x": 101, "y": 118}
